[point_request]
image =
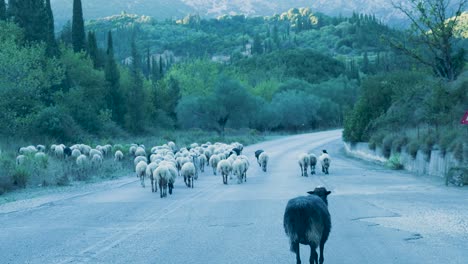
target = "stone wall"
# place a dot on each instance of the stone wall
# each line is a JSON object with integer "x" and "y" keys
{"x": 437, "y": 165}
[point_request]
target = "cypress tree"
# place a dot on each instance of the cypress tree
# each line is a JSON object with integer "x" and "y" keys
{"x": 93, "y": 51}
{"x": 78, "y": 32}
{"x": 257, "y": 45}
{"x": 52, "y": 47}
{"x": 148, "y": 64}
{"x": 155, "y": 70}
{"x": 134, "y": 119}
{"x": 114, "y": 97}
{"x": 3, "y": 11}
{"x": 365, "y": 64}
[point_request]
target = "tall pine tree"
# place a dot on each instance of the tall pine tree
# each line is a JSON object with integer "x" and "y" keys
{"x": 3, "y": 11}
{"x": 52, "y": 47}
{"x": 114, "y": 96}
{"x": 78, "y": 31}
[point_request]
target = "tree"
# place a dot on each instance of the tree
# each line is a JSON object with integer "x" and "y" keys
{"x": 52, "y": 47}
{"x": 66, "y": 34}
{"x": 31, "y": 16}
{"x": 78, "y": 30}
{"x": 3, "y": 11}
{"x": 114, "y": 96}
{"x": 257, "y": 47}
{"x": 365, "y": 64}
{"x": 432, "y": 32}
{"x": 230, "y": 103}
{"x": 135, "y": 116}
{"x": 93, "y": 50}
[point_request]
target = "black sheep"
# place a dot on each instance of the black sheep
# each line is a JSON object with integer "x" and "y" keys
{"x": 307, "y": 221}
{"x": 67, "y": 151}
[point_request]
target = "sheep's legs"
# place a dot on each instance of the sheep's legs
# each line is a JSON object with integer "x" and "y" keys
{"x": 322, "y": 244}
{"x": 295, "y": 248}
{"x": 313, "y": 255}
{"x": 302, "y": 170}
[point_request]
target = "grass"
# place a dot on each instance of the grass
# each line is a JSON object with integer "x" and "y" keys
{"x": 50, "y": 171}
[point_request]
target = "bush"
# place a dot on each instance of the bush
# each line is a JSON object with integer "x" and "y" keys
{"x": 398, "y": 143}
{"x": 387, "y": 145}
{"x": 413, "y": 148}
{"x": 445, "y": 140}
{"x": 394, "y": 162}
{"x": 428, "y": 142}
{"x": 20, "y": 177}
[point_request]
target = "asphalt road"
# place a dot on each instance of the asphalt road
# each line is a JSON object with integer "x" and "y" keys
{"x": 378, "y": 216}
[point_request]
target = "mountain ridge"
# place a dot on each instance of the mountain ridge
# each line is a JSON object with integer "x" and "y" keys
{"x": 176, "y": 9}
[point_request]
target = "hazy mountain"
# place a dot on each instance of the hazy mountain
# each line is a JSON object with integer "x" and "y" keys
{"x": 162, "y": 9}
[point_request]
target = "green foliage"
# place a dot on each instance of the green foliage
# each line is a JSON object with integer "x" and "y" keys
{"x": 26, "y": 80}
{"x": 304, "y": 64}
{"x": 394, "y": 162}
{"x": 413, "y": 148}
{"x": 20, "y": 176}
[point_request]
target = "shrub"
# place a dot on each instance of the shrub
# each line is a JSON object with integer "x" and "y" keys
{"x": 428, "y": 142}
{"x": 394, "y": 162}
{"x": 20, "y": 177}
{"x": 399, "y": 142}
{"x": 445, "y": 140}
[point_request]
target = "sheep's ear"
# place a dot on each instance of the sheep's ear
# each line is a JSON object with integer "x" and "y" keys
{"x": 328, "y": 192}
{"x": 311, "y": 192}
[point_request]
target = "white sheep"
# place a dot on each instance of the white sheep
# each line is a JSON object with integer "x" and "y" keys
{"x": 225, "y": 168}
{"x": 162, "y": 175}
{"x": 239, "y": 169}
{"x": 325, "y": 161}
{"x": 202, "y": 160}
{"x": 76, "y": 153}
{"x": 263, "y": 160}
{"x": 140, "y": 152}
{"x": 140, "y": 171}
{"x": 41, "y": 148}
{"x": 303, "y": 161}
{"x": 188, "y": 172}
{"x": 96, "y": 160}
{"x": 118, "y": 156}
{"x": 20, "y": 160}
{"x": 82, "y": 161}
{"x": 41, "y": 157}
{"x": 214, "y": 160}
{"x": 149, "y": 173}
{"x": 58, "y": 151}
{"x": 138, "y": 159}
{"x": 132, "y": 149}
{"x": 93, "y": 152}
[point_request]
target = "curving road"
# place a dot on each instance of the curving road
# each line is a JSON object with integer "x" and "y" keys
{"x": 378, "y": 216}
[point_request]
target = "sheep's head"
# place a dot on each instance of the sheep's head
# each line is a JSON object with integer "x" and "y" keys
{"x": 321, "y": 192}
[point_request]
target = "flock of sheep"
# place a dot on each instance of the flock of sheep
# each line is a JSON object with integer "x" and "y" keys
{"x": 306, "y": 219}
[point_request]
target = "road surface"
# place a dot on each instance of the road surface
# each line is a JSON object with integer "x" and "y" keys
{"x": 378, "y": 216}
